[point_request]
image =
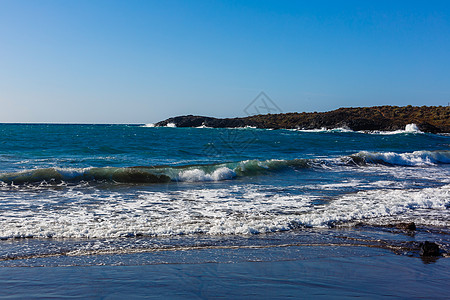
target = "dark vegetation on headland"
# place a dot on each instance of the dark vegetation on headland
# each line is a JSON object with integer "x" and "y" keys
{"x": 434, "y": 119}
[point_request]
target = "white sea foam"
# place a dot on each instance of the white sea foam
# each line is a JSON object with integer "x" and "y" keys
{"x": 380, "y": 203}
{"x": 323, "y": 129}
{"x": 194, "y": 175}
{"x": 148, "y": 125}
{"x": 335, "y": 186}
{"x": 412, "y": 128}
{"x": 409, "y": 128}
{"x": 171, "y": 125}
{"x": 243, "y": 209}
{"x": 203, "y": 126}
{"x": 245, "y": 127}
{"x": 416, "y": 158}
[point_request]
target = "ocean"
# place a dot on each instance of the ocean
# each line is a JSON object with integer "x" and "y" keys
{"x": 153, "y": 198}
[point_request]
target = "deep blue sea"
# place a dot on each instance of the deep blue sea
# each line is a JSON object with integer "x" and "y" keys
{"x": 87, "y": 195}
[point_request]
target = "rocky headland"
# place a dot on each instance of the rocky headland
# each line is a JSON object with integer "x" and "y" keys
{"x": 433, "y": 119}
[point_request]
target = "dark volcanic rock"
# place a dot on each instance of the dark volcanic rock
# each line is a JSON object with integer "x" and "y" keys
{"x": 429, "y": 249}
{"x": 406, "y": 226}
{"x": 434, "y": 119}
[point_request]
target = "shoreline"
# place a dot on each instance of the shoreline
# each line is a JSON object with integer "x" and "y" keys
{"x": 360, "y": 261}
{"x": 430, "y": 119}
{"x": 320, "y": 272}
{"x": 402, "y": 239}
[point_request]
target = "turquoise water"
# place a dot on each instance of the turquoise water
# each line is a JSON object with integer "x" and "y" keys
{"x": 119, "y": 210}
{"x": 80, "y": 191}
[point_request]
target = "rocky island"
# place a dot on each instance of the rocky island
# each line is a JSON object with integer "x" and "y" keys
{"x": 433, "y": 119}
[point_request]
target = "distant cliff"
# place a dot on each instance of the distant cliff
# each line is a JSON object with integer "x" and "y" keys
{"x": 434, "y": 119}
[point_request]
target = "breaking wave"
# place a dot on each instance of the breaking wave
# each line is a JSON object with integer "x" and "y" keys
{"x": 416, "y": 158}
{"x": 409, "y": 128}
{"x": 220, "y": 171}
{"x": 328, "y": 130}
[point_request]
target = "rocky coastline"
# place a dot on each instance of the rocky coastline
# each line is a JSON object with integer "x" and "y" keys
{"x": 432, "y": 119}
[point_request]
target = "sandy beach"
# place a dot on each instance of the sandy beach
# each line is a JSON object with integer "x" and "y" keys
{"x": 275, "y": 273}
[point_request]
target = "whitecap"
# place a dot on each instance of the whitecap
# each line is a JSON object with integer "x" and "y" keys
{"x": 195, "y": 175}
{"x": 409, "y": 128}
{"x": 416, "y": 158}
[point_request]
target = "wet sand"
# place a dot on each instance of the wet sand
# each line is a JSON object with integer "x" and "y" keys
{"x": 320, "y": 272}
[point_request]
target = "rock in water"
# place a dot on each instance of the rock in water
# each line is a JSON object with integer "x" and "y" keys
{"x": 406, "y": 226}
{"x": 429, "y": 249}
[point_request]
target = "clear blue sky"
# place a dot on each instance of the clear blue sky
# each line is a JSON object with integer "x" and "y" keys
{"x": 143, "y": 61}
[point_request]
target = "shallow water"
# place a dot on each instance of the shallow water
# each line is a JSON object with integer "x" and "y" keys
{"x": 122, "y": 195}
{"x": 312, "y": 272}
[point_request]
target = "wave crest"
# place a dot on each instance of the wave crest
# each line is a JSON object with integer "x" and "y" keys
{"x": 221, "y": 171}
{"x": 121, "y": 175}
{"x": 416, "y": 158}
